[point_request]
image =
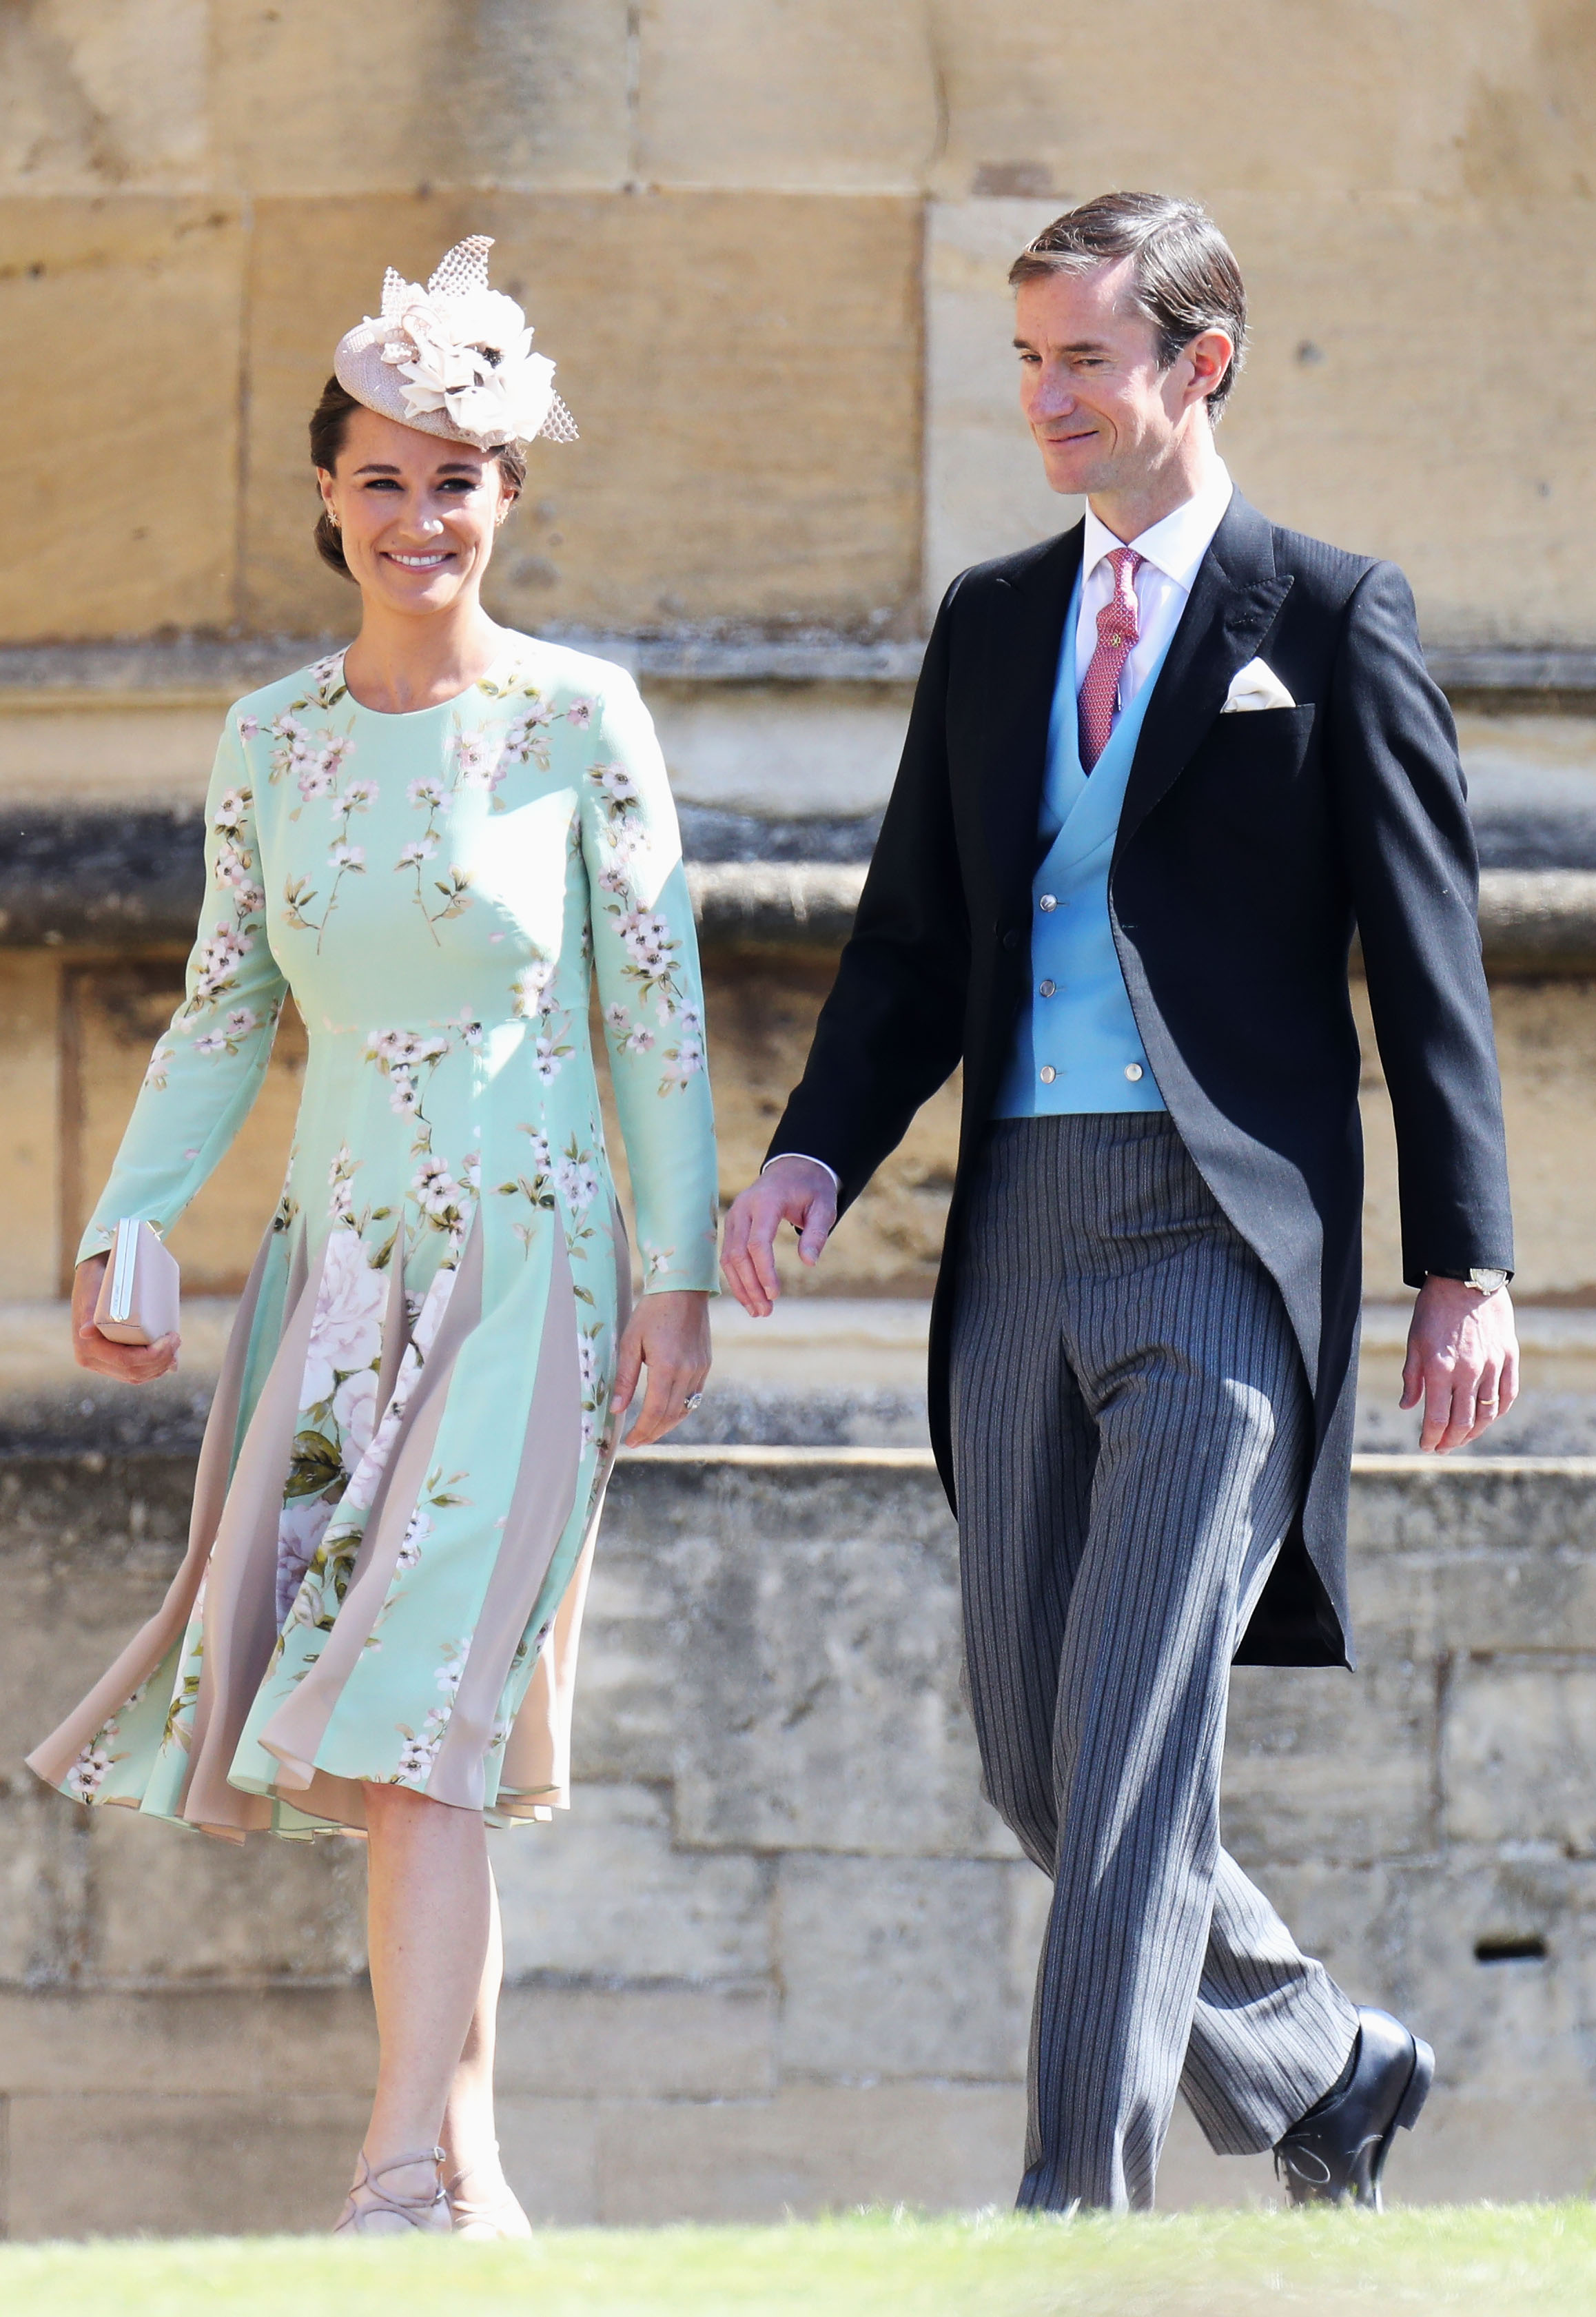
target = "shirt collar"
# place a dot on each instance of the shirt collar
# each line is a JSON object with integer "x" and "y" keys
{"x": 1176, "y": 544}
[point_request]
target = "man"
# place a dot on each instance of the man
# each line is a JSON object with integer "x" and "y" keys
{"x": 1127, "y": 912}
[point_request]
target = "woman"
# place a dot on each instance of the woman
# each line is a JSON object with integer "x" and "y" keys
{"x": 433, "y": 839}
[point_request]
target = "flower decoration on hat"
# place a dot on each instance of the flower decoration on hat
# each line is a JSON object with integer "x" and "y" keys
{"x": 454, "y": 359}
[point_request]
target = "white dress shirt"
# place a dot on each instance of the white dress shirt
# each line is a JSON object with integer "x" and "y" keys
{"x": 1171, "y": 551}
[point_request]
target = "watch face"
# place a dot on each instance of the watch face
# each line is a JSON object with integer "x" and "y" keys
{"x": 1487, "y": 1281}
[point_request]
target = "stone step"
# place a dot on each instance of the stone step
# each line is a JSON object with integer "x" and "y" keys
{"x": 823, "y": 1372}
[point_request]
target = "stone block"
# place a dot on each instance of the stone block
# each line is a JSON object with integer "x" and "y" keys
{"x": 166, "y": 1905}
{"x": 1429, "y": 100}
{"x": 196, "y": 2041}
{"x": 1360, "y": 301}
{"x": 814, "y": 2149}
{"x": 1354, "y": 301}
{"x": 1538, "y": 2145}
{"x": 120, "y": 752}
{"x": 89, "y": 1544}
{"x": 986, "y": 493}
{"x": 45, "y": 1909}
{"x": 770, "y": 472}
{"x": 1487, "y": 1953}
{"x": 1545, "y": 1043}
{"x": 369, "y": 97}
{"x": 1545, "y": 1036}
{"x": 30, "y": 1047}
{"x": 1416, "y": 1521}
{"x": 1192, "y": 2178}
{"x": 125, "y": 415}
{"x": 1356, "y": 1920}
{"x": 815, "y": 1628}
{"x": 550, "y": 2152}
{"x": 565, "y": 2043}
{"x": 1528, "y": 1594}
{"x": 1031, "y": 1902}
{"x": 603, "y": 1892}
{"x": 890, "y": 1242}
{"x": 894, "y": 1967}
{"x": 104, "y": 100}
{"x": 1328, "y": 1765}
{"x": 119, "y": 2166}
{"x": 628, "y": 1719}
{"x": 1518, "y": 1751}
{"x": 783, "y": 750}
{"x": 823, "y": 97}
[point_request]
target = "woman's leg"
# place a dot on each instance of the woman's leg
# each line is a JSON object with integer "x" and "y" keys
{"x": 431, "y": 1913}
{"x": 471, "y": 2167}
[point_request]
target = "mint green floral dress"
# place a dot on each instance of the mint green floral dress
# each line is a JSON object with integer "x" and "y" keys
{"x": 403, "y": 1469}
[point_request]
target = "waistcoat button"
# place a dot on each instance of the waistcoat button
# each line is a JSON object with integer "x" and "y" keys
{"x": 1048, "y": 987}
{"x": 1049, "y": 901}
{"x": 1049, "y": 1074}
{"x": 1133, "y": 1071}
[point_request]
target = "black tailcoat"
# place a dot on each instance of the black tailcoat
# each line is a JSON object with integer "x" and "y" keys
{"x": 1250, "y": 848}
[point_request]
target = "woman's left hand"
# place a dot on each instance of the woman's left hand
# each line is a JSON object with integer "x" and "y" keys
{"x": 669, "y": 1335}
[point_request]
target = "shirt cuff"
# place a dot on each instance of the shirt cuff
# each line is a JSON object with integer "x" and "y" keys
{"x": 836, "y": 1179}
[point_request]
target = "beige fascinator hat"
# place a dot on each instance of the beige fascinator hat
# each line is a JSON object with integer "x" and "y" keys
{"x": 454, "y": 359}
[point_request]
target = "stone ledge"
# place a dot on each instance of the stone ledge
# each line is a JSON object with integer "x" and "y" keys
{"x": 131, "y": 880}
{"x": 221, "y": 667}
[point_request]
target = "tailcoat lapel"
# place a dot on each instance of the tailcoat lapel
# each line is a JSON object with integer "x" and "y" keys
{"x": 1234, "y": 604}
{"x": 1022, "y": 670}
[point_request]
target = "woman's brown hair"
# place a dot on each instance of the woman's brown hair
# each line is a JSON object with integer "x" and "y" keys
{"x": 329, "y": 427}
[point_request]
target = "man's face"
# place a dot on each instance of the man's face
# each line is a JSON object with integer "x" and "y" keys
{"x": 1105, "y": 415}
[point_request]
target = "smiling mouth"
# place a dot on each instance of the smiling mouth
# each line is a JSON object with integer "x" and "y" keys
{"x": 429, "y": 562}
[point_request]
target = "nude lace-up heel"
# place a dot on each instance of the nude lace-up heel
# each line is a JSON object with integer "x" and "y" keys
{"x": 496, "y": 2217}
{"x": 370, "y": 2209}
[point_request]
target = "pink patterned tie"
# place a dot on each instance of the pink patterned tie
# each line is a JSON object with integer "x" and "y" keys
{"x": 1117, "y": 632}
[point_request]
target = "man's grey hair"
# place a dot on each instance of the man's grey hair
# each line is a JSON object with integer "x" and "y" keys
{"x": 1183, "y": 277}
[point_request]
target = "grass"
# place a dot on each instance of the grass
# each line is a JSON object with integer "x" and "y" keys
{"x": 1484, "y": 2260}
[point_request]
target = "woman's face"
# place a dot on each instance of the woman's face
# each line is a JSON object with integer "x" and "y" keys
{"x": 415, "y": 516}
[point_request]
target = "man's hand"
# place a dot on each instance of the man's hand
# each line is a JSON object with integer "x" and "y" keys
{"x": 669, "y": 1335}
{"x": 1462, "y": 1361}
{"x": 128, "y": 1363}
{"x": 791, "y": 1190}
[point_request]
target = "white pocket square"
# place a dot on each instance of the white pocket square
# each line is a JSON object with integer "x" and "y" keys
{"x": 1256, "y": 685}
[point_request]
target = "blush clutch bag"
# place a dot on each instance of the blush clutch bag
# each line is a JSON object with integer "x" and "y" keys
{"x": 137, "y": 1299}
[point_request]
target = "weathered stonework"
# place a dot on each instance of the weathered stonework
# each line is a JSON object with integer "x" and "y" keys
{"x": 781, "y": 1954}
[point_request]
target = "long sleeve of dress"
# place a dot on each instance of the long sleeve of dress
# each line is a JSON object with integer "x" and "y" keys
{"x": 208, "y": 1067}
{"x": 646, "y": 962}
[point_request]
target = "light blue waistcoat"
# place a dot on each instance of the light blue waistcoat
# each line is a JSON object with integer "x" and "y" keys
{"x": 1084, "y": 1032}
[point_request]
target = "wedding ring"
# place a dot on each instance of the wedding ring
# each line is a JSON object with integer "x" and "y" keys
{"x": 694, "y": 1400}
{"x": 1493, "y": 1401}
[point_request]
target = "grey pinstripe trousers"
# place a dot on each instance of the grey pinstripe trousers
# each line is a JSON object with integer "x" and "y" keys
{"x": 1130, "y": 1419}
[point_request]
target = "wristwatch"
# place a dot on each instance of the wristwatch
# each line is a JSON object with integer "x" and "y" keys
{"x": 1485, "y": 1279}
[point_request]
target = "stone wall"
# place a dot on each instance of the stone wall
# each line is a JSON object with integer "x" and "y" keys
{"x": 765, "y": 244}
{"x": 780, "y": 1953}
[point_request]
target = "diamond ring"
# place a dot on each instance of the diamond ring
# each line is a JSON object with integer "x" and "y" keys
{"x": 694, "y": 1400}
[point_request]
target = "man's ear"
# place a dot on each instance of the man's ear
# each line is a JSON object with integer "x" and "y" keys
{"x": 1210, "y": 354}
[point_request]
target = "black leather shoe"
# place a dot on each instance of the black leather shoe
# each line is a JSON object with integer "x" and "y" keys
{"x": 1337, "y": 2153}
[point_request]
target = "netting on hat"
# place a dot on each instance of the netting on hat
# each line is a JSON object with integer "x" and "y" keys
{"x": 462, "y": 269}
{"x": 560, "y": 426}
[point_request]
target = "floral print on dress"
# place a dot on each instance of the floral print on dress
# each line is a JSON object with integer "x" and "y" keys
{"x": 445, "y": 893}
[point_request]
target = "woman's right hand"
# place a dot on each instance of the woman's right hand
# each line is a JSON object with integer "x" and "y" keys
{"x": 128, "y": 1363}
